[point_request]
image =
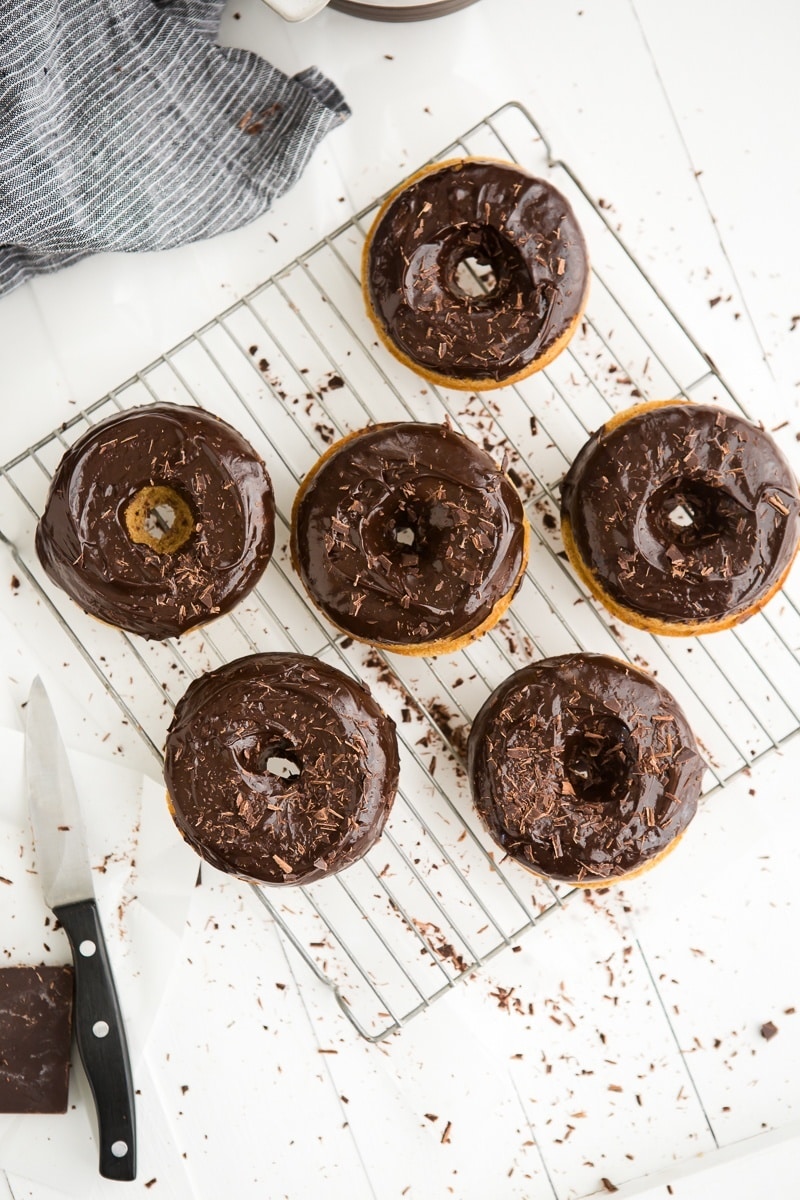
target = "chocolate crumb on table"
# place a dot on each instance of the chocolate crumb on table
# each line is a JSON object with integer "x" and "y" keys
{"x": 35, "y": 1037}
{"x": 768, "y": 1030}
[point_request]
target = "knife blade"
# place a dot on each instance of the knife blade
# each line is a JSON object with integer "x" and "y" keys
{"x": 63, "y": 863}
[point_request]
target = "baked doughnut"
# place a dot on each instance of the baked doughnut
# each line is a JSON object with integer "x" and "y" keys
{"x": 408, "y": 536}
{"x": 680, "y": 518}
{"x": 584, "y": 769}
{"x": 280, "y": 768}
{"x": 158, "y": 519}
{"x": 440, "y": 230}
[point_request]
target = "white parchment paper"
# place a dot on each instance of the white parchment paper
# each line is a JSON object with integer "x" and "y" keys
{"x": 143, "y": 877}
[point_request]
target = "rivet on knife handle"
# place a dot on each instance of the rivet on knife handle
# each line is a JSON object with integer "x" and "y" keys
{"x": 101, "y": 1040}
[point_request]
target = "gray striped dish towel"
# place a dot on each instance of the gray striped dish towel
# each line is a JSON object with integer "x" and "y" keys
{"x": 123, "y": 126}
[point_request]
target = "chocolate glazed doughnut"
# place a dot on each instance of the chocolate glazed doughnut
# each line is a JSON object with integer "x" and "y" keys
{"x": 408, "y": 536}
{"x": 681, "y": 518}
{"x": 158, "y": 519}
{"x": 442, "y": 228}
{"x": 584, "y": 769}
{"x": 280, "y": 768}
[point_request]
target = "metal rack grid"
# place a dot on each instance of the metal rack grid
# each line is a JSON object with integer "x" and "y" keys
{"x": 294, "y": 365}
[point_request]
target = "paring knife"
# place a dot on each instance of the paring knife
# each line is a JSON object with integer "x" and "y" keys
{"x": 63, "y": 864}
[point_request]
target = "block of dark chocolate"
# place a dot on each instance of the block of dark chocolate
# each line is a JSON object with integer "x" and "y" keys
{"x": 35, "y": 1036}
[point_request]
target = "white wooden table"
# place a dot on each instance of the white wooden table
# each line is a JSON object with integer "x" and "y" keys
{"x": 621, "y": 1041}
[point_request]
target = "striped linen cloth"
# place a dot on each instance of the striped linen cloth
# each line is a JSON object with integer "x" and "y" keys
{"x": 123, "y": 126}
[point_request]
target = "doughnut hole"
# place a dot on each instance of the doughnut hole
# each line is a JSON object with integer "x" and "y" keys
{"x": 160, "y": 518}
{"x": 480, "y": 266}
{"x": 404, "y": 535}
{"x": 409, "y": 529}
{"x": 598, "y": 760}
{"x": 268, "y": 762}
{"x": 699, "y": 525}
{"x": 474, "y": 276}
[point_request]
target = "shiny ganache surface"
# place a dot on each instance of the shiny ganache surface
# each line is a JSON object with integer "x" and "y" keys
{"x": 683, "y": 512}
{"x": 500, "y": 217}
{"x": 407, "y": 533}
{"x": 280, "y": 768}
{"x": 583, "y": 768}
{"x": 86, "y": 547}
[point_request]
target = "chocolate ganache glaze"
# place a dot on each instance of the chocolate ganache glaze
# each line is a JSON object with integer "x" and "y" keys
{"x": 487, "y": 214}
{"x": 583, "y": 768}
{"x": 408, "y": 534}
{"x": 681, "y": 513}
{"x": 280, "y": 768}
{"x": 158, "y": 519}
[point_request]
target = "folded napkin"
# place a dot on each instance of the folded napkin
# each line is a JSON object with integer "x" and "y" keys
{"x": 126, "y": 128}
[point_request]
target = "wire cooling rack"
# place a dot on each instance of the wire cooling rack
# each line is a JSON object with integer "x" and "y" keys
{"x": 295, "y": 365}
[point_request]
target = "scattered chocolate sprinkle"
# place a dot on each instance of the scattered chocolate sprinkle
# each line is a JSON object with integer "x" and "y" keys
{"x": 436, "y": 941}
{"x": 776, "y": 502}
{"x": 768, "y": 1030}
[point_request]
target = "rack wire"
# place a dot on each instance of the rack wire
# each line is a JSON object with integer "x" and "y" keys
{"x": 294, "y": 365}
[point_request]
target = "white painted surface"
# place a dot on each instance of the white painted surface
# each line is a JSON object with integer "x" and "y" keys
{"x": 629, "y": 991}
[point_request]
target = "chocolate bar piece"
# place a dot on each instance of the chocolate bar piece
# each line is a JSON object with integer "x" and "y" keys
{"x": 35, "y": 1035}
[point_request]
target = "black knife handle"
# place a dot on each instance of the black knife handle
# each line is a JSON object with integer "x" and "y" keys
{"x": 101, "y": 1040}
